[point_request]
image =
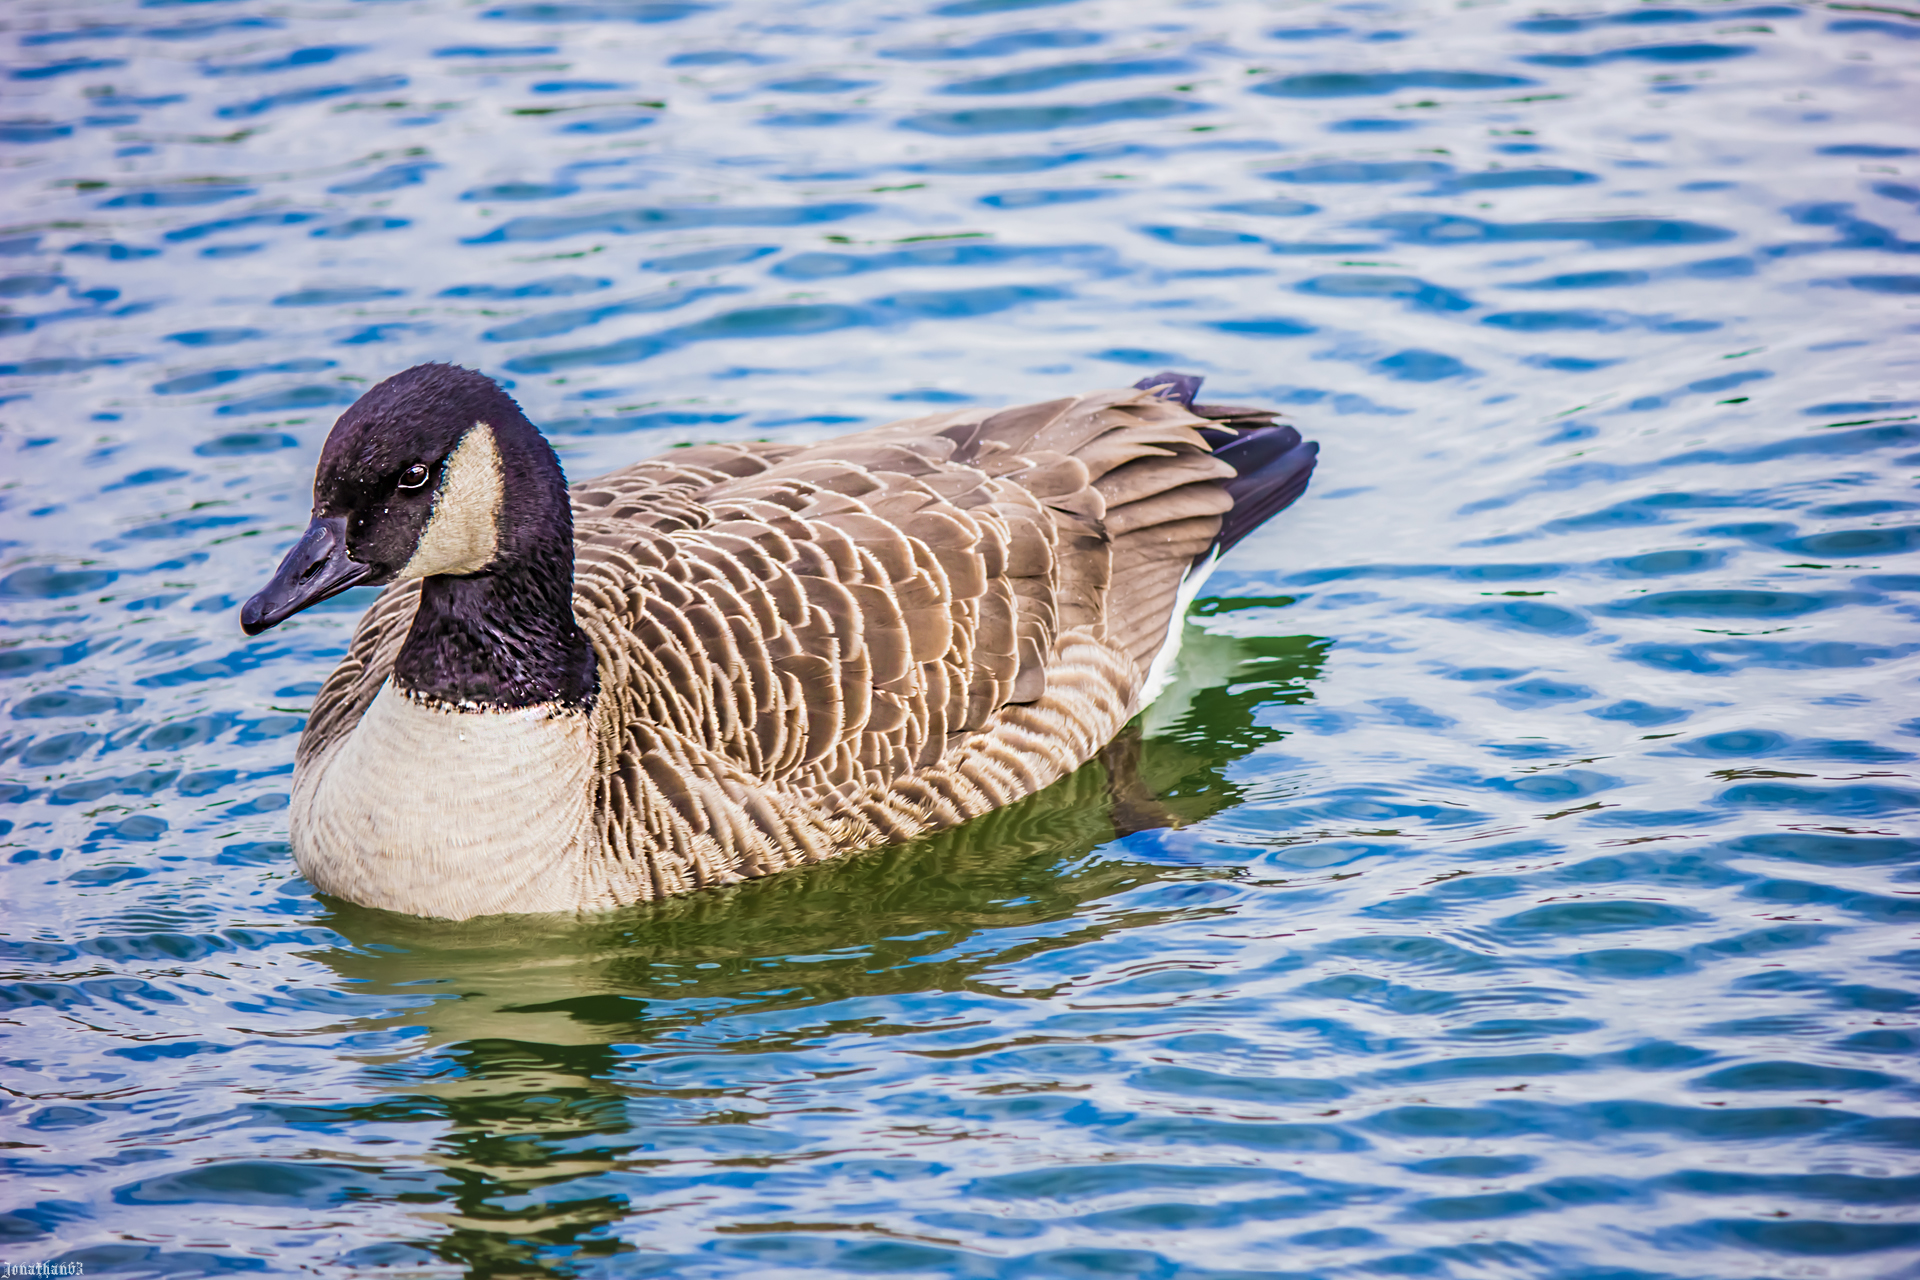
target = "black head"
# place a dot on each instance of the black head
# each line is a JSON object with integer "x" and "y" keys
{"x": 434, "y": 471}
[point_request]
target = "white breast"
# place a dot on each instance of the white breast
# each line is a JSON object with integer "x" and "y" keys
{"x": 437, "y": 812}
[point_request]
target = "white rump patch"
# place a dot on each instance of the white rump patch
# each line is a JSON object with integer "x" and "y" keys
{"x": 463, "y": 533}
{"x": 1160, "y": 674}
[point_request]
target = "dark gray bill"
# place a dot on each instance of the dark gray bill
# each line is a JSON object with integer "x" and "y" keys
{"x": 315, "y": 569}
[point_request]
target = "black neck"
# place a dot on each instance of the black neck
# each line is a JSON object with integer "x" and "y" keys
{"x": 501, "y": 639}
{"x": 506, "y": 637}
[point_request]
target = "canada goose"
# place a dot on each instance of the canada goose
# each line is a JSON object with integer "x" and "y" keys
{"x": 733, "y": 659}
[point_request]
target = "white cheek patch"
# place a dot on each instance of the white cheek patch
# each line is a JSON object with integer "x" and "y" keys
{"x": 463, "y": 533}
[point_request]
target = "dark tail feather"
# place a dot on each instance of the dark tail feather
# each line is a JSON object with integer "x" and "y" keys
{"x": 1261, "y": 493}
{"x": 1169, "y": 385}
{"x": 1273, "y": 462}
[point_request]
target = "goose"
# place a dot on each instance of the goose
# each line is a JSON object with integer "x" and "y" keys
{"x": 733, "y": 659}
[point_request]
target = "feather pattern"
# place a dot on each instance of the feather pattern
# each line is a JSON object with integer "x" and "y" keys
{"x": 808, "y": 650}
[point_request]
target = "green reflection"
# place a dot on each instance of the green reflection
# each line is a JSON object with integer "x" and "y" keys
{"x": 521, "y": 1012}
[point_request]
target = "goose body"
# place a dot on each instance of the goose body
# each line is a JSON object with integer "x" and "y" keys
{"x": 733, "y": 659}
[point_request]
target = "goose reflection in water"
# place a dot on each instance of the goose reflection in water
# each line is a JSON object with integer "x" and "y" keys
{"x": 559, "y": 1039}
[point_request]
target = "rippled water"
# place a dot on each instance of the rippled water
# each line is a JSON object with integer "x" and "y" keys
{"x": 1544, "y": 903}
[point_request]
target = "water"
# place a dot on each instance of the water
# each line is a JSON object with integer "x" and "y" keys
{"x": 1544, "y": 902}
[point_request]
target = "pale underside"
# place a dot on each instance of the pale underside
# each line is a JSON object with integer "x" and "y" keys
{"x": 803, "y": 651}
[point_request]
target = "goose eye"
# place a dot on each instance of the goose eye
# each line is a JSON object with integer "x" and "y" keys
{"x": 413, "y": 477}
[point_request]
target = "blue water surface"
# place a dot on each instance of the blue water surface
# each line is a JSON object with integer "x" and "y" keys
{"x": 1542, "y": 900}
